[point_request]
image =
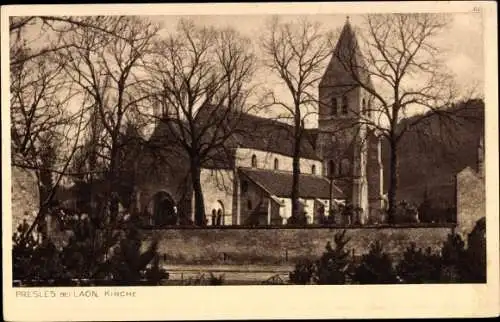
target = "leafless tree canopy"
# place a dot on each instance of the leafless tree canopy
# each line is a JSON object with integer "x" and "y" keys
{"x": 296, "y": 53}
{"x": 79, "y": 84}
{"x": 399, "y": 65}
{"x": 199, "y": 78}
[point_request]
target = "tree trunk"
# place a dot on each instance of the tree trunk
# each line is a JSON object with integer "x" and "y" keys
{"x": 393, "y": 181}
{"x": 297, "y": 217}
{"x": 295, "y": 190}
{"x": 112, "y": 196}
{"x": 199, "y": 204}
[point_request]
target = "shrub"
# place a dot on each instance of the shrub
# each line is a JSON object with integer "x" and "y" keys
{"x": 216, "y": 280}
{"x": 275, "y": 280}
{"x": 299, "y": 220}
{"x": 333, "y": 265}
{"x": 348, "y": 214}
{"x": 331, "y": 268}
{"x": 453, "y": 257}
{"x": 406, "y": 212}
{"x": 418, "y": 266}
{"x": 84, "y": 257}
{"x": 375, "y": 267}
{"x": 303, "y": 273}
{"x": 475, "y": 270}
{"x": 36, "y": 259}
{"x": 127, "y": 262}
{"x": 202, "y": 280}
{"x": 155, "y": 274}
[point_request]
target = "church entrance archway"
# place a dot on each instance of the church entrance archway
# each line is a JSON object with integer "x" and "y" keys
{"x": 164, "y": 211}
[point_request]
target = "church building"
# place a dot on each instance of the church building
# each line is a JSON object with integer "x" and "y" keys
{"x": 340, "y": 161}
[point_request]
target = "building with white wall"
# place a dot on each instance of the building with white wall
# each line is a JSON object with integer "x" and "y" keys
{"x": 250, "y": 182}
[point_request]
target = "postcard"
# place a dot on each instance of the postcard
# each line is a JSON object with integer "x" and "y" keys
{"x": 250, "y": 161}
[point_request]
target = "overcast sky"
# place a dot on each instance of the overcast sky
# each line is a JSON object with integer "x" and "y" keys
{"x": 462, "y": 42}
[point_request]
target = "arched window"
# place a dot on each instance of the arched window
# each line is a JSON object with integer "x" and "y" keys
{"x": 363, "y": 106}
{"x": 254, "y": 161}
{"x": 276, "y": 164}
{"x": 345, "y": 104}
{"x": 331, "y": 168}
{"x": 334, "y": 106}
{"x": 249, "y": 204}
{"x": 369, "y": 108}
{"x": 313, "y": 169}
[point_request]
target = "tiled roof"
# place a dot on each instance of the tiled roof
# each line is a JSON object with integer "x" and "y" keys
{"x": 279, "y": 183}
{"x": 273, "y": 136}
{"x": 248, "y": 131}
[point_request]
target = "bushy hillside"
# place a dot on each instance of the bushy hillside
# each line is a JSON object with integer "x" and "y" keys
{"x": 435, "y": 150}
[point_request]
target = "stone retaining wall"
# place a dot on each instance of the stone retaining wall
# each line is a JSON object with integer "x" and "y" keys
{"x": 279, "y": 246}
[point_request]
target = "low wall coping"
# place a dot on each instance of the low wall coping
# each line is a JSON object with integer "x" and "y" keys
{"x": 284, "y": 227}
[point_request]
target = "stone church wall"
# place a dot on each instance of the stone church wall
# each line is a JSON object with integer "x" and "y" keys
{"x": 25, "y": 196}
{"x": 471, "y": 203}
{"x": 265, "y": 160}
{"x": 251, "y": 197}
{"x": 217, "y": 188}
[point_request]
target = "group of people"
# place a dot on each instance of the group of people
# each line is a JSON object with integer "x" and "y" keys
{"x": 340, "y": 214}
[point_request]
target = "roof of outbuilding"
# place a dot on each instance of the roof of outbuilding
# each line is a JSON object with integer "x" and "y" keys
{"x": 279, "y": 183}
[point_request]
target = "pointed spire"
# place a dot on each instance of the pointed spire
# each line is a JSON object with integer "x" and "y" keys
{"x": 346, "y": 60}
{"x": 347, "y": 43}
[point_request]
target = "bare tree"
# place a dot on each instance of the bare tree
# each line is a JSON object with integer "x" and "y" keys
{"x": 44, "y": 129}
{"x": 398, "y": 64}
{"x": 199, "y": 77}
{"x": 296, "y": 53}
{"x": 107, "y": 68}
{"x": 47, "y": 33}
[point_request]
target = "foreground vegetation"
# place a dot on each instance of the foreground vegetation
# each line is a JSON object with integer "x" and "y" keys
{"x": 455, "y": 263}
{"x": 86, "y": 259}
{"x": 89, "y": 257}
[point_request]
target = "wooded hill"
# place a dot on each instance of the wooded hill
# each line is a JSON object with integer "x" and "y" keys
{"x": 435, "y": 150}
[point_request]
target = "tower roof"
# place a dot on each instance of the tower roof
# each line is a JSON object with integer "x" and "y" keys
{"x": 347, "y": 64}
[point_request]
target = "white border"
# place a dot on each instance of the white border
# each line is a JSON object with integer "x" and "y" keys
{"x": 242, "y": 302}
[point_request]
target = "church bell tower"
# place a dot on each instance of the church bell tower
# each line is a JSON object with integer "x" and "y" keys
{"x": 348, "y": 147}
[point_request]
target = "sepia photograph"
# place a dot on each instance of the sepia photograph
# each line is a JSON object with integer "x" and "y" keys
{"x": 337, "y": 148}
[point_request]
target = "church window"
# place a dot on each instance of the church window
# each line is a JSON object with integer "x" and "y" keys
{"x": 334, "y": 106}
{"x": 244, "y": 187}
{"x": 369, "y": 108}
{"x": 254, "y": 161}
{"x": 331, "y": 168}
{"x": 249, "y": 204}
{"x": 276, "y": 164}
{"x": 345, "y": 104}
{"x": 363, "y": 106}
{"x": 313, "y": 169}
